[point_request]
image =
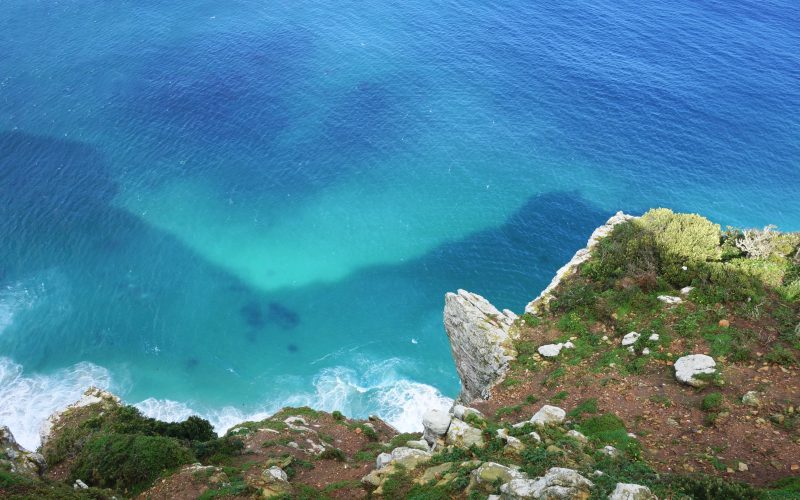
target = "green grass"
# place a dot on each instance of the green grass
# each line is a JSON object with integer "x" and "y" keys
{"x": 712, "y": 402}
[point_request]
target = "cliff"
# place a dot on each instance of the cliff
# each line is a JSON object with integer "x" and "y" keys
{"x": 662, "y": 361}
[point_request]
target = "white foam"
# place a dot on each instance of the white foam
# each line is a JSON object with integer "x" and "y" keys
{"x": 27, "y": 400}
{"x": 369, "y": 389}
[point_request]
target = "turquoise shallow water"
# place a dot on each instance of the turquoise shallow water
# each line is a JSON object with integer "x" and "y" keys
{"x": 224, "y": 208}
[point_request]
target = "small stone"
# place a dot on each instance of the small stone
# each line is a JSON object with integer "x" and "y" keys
{"x": 742, "y": 467}
{"x": 610, "y": 451}
{"x": 625, "y": 491}
{"x": 462, "y": 412}
{"x": 80, "y": 485}
{"x": 646, "y": 351}
{"x": 654, "y": 337}
{"x": 577, "y": 436}
{"x": 630, "y": 338}
{"x": 418, "y": 445}
{"x": 550, "y": 350}
{"x": 686, "y": 290}
{"x": 383, "y": 460}
{"x": 464, "y": 435}
{"x": 670, "y": 300}
{"x": 751, "y": 398}
{"x": 795, "y": 467}
{"x": 549, "y": 415}
{"x": 724, "y": 323}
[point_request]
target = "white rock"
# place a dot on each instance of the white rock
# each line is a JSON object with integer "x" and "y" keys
{"x": 550, "y": 350}
{"x": 463, "y": 435}
{"x": 418, "y": 445}
{"x": 686, "y": 290}
{"x": 80, "y": 485}
{"x": 646, "y": 351}
{"x": 297, "y": 423}
{"x": 512, "y": 443}
{"x": 489, "y": 472}
{"x": 277, "y": 474}
{"x": 688, "y": 367}
{"x": 609, "y": 450}
{"x": 481, "y": 342}
{"x": 549, "y": 415}
{"x": 569, "y": 345}
{"x": 577, "y": 436}
{"x": 383, "y": 460}
{"x": 558, "y": 483}
{"x": 654, "y": 337}
{"x": 435, "y": 423}
{"x": 631, "y": 338}
{"x": 670, "y": 299}
{"x": 625, "y": 491}
{"x": 536, "y": 437}
{"x": 462, "y": 412}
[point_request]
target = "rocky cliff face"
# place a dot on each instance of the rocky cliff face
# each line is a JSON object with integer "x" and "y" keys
{"x": 480, "y": 340}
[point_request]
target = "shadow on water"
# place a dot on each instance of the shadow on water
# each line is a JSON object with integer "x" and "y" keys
{"x": 50, "y": 184}
{"x": 250, "y": 104}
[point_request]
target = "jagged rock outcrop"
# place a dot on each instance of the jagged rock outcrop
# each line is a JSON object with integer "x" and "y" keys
{"x": 481, "y": 342}
{"x": 17, "y": 459}
{"x": 581, "y": 256}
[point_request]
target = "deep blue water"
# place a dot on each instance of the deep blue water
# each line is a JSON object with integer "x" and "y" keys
{"x": 224, "y": 207}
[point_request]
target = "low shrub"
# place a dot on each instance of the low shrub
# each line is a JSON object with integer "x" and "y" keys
{"x": 127, "y": 462}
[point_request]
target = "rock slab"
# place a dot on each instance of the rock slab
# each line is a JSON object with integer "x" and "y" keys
{"x": 480, "y": 341}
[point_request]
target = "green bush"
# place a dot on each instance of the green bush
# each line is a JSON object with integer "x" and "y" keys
{"x": 218, "y": 450}
{"x": 127, "y": 462}
{"x": 712, "y": 402}
{"x": 713, "y": 488}
{"x": 129, "y": 420}
{"x": 333, "y": 454}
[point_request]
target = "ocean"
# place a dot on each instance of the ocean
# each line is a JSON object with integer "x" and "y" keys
{"x": 223, "y": 208}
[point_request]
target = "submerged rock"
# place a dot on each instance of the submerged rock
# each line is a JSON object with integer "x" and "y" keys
{"x": 480, "y": 341}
